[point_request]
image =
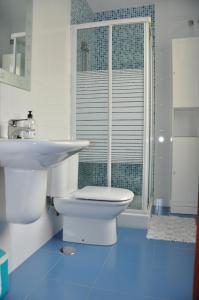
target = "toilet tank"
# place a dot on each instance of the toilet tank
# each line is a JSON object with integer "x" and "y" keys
{"x": 63, "y": 179}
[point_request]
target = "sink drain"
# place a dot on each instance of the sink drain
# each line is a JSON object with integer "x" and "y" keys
{"x": 68, "y": 250}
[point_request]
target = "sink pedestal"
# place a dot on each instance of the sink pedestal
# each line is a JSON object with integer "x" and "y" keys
{"x": 25, "y": 194}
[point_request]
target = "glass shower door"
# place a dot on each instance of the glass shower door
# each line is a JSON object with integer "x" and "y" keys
{"x": 112, "y": 94}
{"x": 128, "y": 109}
{"x": 92, "y": 104}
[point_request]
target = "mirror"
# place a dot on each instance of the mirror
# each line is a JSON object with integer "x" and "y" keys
{"x": 15, "y": 42}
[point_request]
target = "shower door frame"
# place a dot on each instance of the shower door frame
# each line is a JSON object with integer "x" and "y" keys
{"x": 147, "y": 95}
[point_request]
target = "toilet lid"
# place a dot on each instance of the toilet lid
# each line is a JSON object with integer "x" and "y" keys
{"x": 100, "y": 193}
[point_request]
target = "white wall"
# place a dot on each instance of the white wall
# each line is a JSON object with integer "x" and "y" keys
{"x": 171, "y": 22}
{"x": 49, "y": 99}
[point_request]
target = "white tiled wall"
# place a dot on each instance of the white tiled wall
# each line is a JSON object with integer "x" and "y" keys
{"x": 49, "y": 99}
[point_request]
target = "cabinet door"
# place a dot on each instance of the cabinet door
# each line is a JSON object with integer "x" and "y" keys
{"x": 185, "y": 60}
{"x": 185, "y": 175}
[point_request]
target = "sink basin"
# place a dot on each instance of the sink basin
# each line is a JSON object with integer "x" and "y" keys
{"x": 24, "y": 168}
{"x": 36, "y": 154}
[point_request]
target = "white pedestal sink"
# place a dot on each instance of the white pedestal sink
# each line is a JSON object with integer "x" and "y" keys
{"x": 23, "y": 175}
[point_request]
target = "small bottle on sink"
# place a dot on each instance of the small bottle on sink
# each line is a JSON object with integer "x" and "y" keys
{"x": 30, "y": 125}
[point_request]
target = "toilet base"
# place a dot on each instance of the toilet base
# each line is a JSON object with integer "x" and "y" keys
{"x": 89, "y": 231}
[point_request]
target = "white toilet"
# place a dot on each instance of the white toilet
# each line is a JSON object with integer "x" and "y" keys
{"x": 89, "y": 214}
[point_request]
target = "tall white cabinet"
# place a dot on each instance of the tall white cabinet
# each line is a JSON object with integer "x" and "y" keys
{"x": 185, "y": 159}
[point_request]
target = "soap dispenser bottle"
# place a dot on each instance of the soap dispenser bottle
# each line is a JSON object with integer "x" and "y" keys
{"x": 30, "y": 125}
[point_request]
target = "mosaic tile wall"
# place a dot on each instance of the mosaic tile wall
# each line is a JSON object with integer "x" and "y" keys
{"x": 81, "y": 12}
{"x": 127, "y": 53}
{"x": 85, "y": 53}
{"x": 124, "y": 175}
{"x": 92, "y": 174}
{"x": 125, "y": 13}
{"x": 128, "y": 47}
{"x": 128, "y": 176}
{"x": 128, "y": 40}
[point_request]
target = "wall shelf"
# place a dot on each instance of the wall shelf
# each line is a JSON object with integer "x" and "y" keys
{"x": 187, "y": 108}
{"x": 186, "y": 123}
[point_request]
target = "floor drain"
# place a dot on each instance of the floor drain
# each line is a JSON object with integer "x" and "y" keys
{"x": 68, "y": 250}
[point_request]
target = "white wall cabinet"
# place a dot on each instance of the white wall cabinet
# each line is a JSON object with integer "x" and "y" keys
{"x": 185, "y": 160}
{"x": 185, "y": 57}
{"x": 185, "y": 175}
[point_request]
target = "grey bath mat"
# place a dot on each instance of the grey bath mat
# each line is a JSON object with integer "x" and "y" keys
{"x": 171, "y": 228}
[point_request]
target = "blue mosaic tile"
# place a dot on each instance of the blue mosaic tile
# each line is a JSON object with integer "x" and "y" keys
{"x": 124, "y": 175}
{"x": 85, "y": 52}
{"x": 128, "y": 40}
{"x": 81, "y": 12}
{"x": 94, "y": 174}
{"x": 128, "y": 176}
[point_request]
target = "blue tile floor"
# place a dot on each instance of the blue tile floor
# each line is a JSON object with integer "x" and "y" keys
{"x": 133, "y": 269}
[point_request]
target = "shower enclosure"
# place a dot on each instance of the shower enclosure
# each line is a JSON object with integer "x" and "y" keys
{"x": 112, "y": 105}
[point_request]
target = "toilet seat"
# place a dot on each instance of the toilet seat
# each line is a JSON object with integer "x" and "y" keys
{"x": 99, "y": 193}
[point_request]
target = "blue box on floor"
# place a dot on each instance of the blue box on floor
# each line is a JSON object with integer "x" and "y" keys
{"x": 3, "y": 273}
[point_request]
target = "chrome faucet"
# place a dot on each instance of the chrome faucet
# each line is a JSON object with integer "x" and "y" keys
{"x": 17, "y": 129}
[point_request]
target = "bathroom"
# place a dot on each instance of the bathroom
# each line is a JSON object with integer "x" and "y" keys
{"x": 60, "y": 46}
